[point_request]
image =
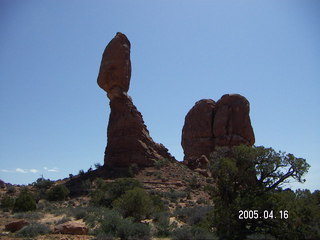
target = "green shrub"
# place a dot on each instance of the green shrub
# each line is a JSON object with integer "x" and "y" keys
{"x": 133, "y": 170}
{"x": 11, "y": 189}
{"x": 7, "y": 203}
{"x": 79, "y": 212}
{"x": 29, "y": 215}
{"x": 63, "y": 220}
{"x": 25, "y": 202}
{"x": 110, "y": 222}
{"x": 157, "y": 204}
{"x": 193, "y": 215}
{"x": 113, "y": 225}
{"x": 98, "y": 165}
{"x": 81, "y": 172}
{"x": 192, "y": 233}
{"x": 162, "y": 224}
{"x": 43, "y": 183}
{"x": 161, "y": 163}
{"x": 134, "y": 203}
{"x": 182, "y": 233}
{"x": 33, "y": 230}
{"x": 58, "y": 193}
{"x": 121, "y": 185}
{"x": 132, "y": 230}
{"x": 175, "y": 195}
{"x": 104, "y": 236}
{"x": 106, "y": 193}
{"x": 193, "y": 183}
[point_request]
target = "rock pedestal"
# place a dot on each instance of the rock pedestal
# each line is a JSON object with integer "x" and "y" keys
{"x": 129, "y": 141}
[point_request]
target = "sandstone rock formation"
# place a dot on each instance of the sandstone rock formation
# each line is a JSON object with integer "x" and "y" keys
{"x": 197, "y": 133}
{"x": 129, "y": 141}
{"x": 209, "y": 124}
{"x": 232, "y": 125}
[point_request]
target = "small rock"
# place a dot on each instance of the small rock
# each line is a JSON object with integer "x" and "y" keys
{"x": 75, "y": 228}
{"x": 16, "y": 225}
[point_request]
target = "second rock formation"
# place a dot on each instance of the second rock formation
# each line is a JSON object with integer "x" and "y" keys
{"x": 209, "y": 125}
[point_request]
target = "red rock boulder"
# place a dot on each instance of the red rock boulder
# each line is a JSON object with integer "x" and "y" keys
{"x": 16, "y": 225}
{"x": 75, "y": 228}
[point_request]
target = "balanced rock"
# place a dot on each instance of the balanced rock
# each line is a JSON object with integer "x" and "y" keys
{"x": 209, "y": 125}
{"x": 129, "y": 141}
{"x": 115, "y": 69}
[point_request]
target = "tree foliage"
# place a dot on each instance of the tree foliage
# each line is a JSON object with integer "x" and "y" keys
{"x": 251, "y": 178}
{"x": 24, "y": 202}
{"x": 58, "y": 193}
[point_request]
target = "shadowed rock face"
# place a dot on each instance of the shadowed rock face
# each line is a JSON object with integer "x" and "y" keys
{"x": 209, "y": 124}
{"x": 129, "y": 141}
{"x": 232, "y": 125}
{"x": 197, "y": 133}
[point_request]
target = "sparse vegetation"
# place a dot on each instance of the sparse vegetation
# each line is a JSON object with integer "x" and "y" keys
{"x": 98, "y": 165}
{"x": 193, "y": 183}
{"x": 161, "y": 163}
{"x": 122, "y": 208}
{"x": 33, "y": 230}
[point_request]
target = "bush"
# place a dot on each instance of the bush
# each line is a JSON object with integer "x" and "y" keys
{"x": 194, "y": 215}
{"x": 98, "y": 165}
{"x": 113, "y": 225}
{"x": 7, "y": 203}
{"x": 182, "y": 233}
{"x": 161, "y": 163}
{"x": 192, "y": 233}
{"x": 158, "y": 204}
{"x": 193, "y": 183}
{"x": 81, "y": 172}
{"x": 120, "y": 186}
{"x": 43, "y": 183}
{"x": 58, "y": 193}
{"x": 110, "y": 223}
{"x": 133, "y": 170}
{"x": 134, "y": 203}
{"x": 106, "y": 193}
{"x": 29, "y": 215}
{"x": 162, "y": 224}
{"x": 132, "y": 230}
{"x": 33, "y": 230}
{"x": 11, "y": 189}
{"x": 175, "y": 195}
{"x": 25, "y": 202}
{"x": 79, "y": 212}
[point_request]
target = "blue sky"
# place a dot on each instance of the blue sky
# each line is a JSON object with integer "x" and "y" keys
{"x": 54, "y": 116}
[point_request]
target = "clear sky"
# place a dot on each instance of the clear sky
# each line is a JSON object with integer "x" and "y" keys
{"x": 53, "y": 115}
